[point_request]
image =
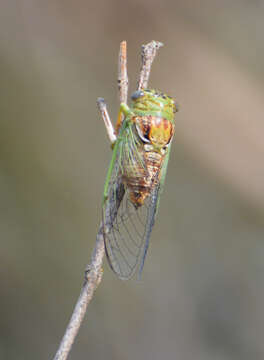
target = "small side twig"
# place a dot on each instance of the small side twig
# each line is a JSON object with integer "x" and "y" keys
{"x": 94, "y": 272}
{"x": 107, "y": 121}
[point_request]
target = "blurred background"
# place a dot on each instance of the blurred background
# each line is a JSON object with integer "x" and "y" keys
{"x": 202, "y": 290}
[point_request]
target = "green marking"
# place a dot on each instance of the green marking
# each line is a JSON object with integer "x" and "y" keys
{"x": 152, "y": 102}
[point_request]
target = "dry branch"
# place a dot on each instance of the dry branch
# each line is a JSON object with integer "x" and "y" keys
{"x": 94, "y": 272}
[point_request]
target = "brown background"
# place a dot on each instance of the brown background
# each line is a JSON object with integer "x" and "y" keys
{"x": 202, "y": 292}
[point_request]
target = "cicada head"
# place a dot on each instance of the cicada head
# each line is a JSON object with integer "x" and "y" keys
{"x": 155, "y": 103}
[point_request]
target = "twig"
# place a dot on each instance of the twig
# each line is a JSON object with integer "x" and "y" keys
{"x": 94, "y": 272}
{"x": 107, "y": 121}
{"x": 122, "y": 72}
{"x": 93, "y": 277}
{"x": 122, "y": 82}
{"x": 148, "y": 53}
{"x": 122, "y": 89}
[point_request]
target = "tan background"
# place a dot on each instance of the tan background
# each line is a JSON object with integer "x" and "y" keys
{"x": 202, "y": 292}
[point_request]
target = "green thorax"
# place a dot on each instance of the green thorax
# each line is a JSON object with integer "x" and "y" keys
{"x": 155, "y": 103}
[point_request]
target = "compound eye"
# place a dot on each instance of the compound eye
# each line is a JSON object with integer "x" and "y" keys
{"x": 137, "y": 94}
{"x": 177, "y": 108}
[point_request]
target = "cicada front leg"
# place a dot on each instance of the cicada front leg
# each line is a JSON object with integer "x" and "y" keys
{"x": 124, "y": 111}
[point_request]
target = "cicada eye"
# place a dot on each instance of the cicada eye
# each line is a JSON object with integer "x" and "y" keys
{"x": 137, "y": 94}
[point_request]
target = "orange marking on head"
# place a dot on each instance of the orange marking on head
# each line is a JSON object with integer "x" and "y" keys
{"x": 165, "y": 124}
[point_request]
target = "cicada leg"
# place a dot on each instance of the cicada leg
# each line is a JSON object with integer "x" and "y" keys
{"x": 124, "y": 111}
{"x": 119, "y": 121}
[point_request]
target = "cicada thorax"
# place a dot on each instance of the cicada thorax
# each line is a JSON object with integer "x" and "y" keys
{"x": 153, "y": 134}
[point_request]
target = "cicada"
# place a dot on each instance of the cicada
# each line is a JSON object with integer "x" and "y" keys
{"x": 135, "y": 178}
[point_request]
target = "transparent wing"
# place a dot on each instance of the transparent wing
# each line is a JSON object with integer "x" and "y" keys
{"x": 127, "y": 228}
{"x": 128, "y": 231}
